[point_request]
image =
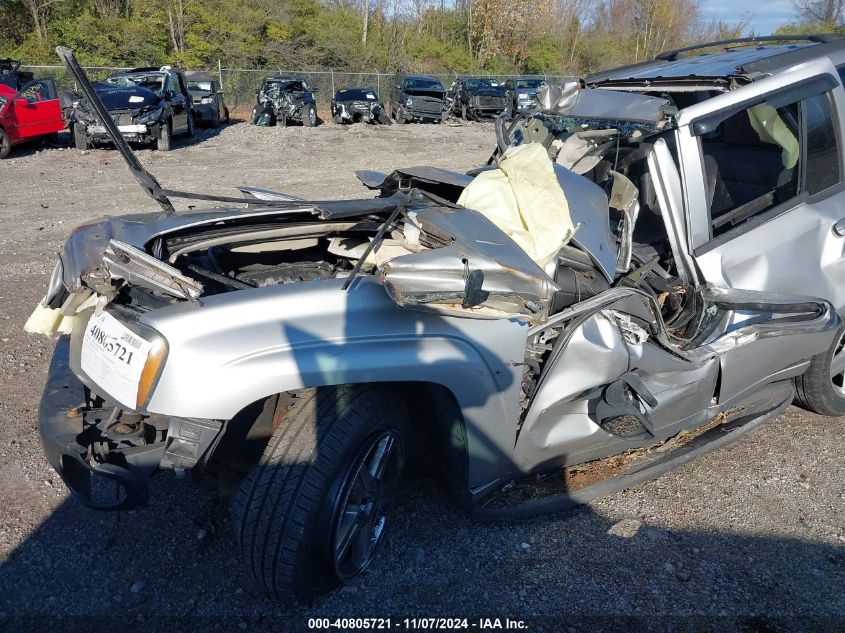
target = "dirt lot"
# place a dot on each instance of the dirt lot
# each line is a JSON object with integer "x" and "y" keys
{"x": 752, "y": 536}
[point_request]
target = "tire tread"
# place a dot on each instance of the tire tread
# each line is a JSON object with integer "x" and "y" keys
{"x": 277, "y": 501}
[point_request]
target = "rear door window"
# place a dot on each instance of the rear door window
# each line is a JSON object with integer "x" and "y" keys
{"x": 823, "y": 159}
{"x": 763, "y": 157}
{"x": 38, "y": 90}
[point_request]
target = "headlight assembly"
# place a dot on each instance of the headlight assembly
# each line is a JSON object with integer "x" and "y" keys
{"x": 85, "y": 116}
{"x": 207, "y": 100}
{"x": 409, "y": 102}
{"x": 146, "y": 118}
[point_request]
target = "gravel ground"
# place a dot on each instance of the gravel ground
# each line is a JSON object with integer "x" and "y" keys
{"x": 750, "y": 537}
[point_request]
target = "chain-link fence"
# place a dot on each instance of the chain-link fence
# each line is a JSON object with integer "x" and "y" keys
{"x": 240, "y": 85}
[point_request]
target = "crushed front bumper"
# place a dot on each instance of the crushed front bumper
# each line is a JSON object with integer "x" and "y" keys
{"x": 204, "y": 112}
{"x": 134, "y": 133}
{"x": 486, "y": 111}
{"x": 423, "y": 116}
{"x": 69, "y": 443}
{"x": 106, "y": 455}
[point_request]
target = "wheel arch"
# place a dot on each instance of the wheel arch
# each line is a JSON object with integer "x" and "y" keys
{"x": 438, "y": 443}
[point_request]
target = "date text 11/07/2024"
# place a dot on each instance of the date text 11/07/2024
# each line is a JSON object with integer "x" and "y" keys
{"x": 417, "y": 624}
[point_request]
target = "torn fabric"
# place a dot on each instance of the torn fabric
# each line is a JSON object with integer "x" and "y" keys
{"x": 771, "y": 129}
{"x": 524, "y": 199}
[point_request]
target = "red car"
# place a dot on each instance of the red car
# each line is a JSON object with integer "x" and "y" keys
{"x": 27, "y": 113}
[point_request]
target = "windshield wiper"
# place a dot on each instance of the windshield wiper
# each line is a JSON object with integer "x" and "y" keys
{"x": 400, "y": 208}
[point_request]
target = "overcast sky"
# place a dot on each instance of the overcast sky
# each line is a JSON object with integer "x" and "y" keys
{"x": 766, "y": 15}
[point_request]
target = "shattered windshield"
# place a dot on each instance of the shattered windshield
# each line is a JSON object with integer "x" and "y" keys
{"x": 475, "y": 84}
{"x": 280, "y": 85}
{"x": 204, "y": 86}
{"x": 154, "y": 82}
{"x": 626, "y": 128}
{"x": 355, "y": 94}
{"x": 423, "y": 84}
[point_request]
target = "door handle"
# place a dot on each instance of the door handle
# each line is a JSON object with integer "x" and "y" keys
{"x": 839, "y": 228}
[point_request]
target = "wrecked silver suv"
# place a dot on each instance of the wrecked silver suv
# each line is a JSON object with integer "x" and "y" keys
{"x": 653, "y": 259}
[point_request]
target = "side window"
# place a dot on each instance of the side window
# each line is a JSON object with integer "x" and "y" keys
{"x": 38, "y": 90}
{"x": 759, "y": 157}
{"x": 172, "y": 84}
{"x": 752, "y": 163}
{"x": 823, "y": 160}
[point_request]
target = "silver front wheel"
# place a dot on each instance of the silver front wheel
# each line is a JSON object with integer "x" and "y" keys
{"x": 360, "y": 510}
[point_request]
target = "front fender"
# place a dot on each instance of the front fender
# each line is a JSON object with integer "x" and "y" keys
{"x": 237, "y": 348}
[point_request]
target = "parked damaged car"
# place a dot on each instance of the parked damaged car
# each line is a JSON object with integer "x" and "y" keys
{"x": 12, "y": 76}
{"x": 521, "y": 91}
{"x": 353, "y": 105}
{"x": 473, "y": 98}
{"x": 614, "y": 280}
{"x": 207, "y": 98}
{"x": 283, "y": 99}
{"x": 29, "y": 108}
{"x": 417, "y": 98}
{"x": 148, "y": 106}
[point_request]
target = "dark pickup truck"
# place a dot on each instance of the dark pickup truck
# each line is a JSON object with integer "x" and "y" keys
{"x": 417, "y": 98}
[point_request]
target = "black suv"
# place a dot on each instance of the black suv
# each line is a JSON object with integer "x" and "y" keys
{"x": 148, "y": 105}
{"x": 207, "y": 96}
{"x": 417, "y": 98}
{"x": 472, "y": 98}
{"x": 285, "y": 98}
{"x": 12, "y": 76}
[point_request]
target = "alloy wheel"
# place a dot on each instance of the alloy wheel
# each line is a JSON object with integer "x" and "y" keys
{"x": 837, "y": 366}
{"x": 360, "y": 508}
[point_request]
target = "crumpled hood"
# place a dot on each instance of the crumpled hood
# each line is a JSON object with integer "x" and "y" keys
{"x": 82, "y": 253}
{"x": 358, "y": 103}
{"x": 126, "y": 98}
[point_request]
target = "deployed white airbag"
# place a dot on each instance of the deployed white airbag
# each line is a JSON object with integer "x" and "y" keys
{"x": 524, "y": 199}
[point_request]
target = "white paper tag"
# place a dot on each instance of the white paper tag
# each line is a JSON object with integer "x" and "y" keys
{"x": 136, "y": 99}
{"x": 372, "y": 97}
{"x": 113, "y": 357}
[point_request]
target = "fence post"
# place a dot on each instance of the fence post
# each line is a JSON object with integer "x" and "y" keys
{"x": 220, "y": 73}
{"x": 331, "y": 70}
{"x": 378, "y": 84}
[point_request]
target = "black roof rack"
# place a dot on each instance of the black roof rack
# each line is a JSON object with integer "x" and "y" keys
{"x": 818, "y": 38}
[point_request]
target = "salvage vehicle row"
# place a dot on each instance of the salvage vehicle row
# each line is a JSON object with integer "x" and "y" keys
{"x": 152, "y": 105}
